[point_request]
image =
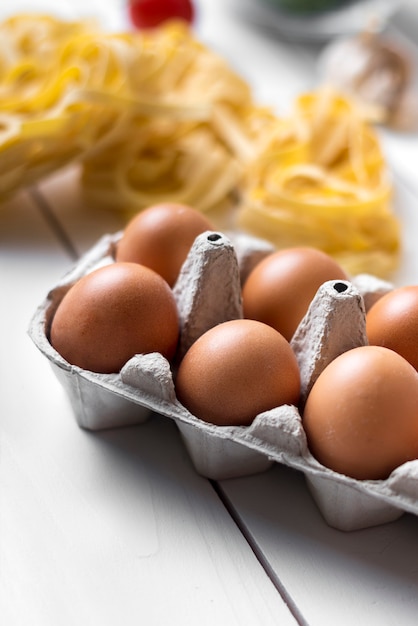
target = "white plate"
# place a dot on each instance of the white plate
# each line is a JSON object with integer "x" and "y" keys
{"x": 347, "y": 20}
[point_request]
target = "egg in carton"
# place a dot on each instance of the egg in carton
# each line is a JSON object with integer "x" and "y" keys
{"x": 208, "y": 292}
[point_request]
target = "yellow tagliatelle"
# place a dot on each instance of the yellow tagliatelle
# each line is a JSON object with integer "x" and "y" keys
{"x": 156, "y": 116}
{"x": 141, "y": 104}
{"x": 337, "y": 198}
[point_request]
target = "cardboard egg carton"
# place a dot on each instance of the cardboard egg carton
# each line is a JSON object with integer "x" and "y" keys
{"x": 208, "y": 292}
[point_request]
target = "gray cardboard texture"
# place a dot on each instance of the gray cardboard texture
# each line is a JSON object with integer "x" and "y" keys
{"x": 208, "y": 292}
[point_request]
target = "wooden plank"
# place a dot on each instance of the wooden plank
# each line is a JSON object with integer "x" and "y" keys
{"x": 405, "y": 208}
{"x": 110, "y": 14}
{"x": 365, "y": 577}
{"x": 61, "y": 197}
{"x": 362, "y": 577}
{"x": 101, "y": 528}
{"x": 372, "y": 572}
{"x": 117, "y": 527}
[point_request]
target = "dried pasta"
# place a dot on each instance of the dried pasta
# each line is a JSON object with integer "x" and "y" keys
{"x": 338, "y": 197}
{"x": 156, "y": 116}
{"x": 69, "y": 92}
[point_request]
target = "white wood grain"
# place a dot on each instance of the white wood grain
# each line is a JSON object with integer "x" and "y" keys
{"x": 117, "y": 527}
{"x": 367, "y": 577}
{"x": 108, "y": 528}
{"x": 83, "y": 224}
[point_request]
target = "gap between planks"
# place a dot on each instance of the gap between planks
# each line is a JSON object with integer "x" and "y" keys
{"x": 48, "y": 214}
{"x": 58, "y": 230}
{"x": 258, "y": 553}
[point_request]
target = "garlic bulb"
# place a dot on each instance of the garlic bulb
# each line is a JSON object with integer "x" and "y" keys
{"x": 376, "y": 72}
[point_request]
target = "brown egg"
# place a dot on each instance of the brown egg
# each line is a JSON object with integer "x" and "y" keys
{"x": 161, "y": 236}
{"x": 236, "y": 370}
{"x": 112, "y": 314}
{"x": 393, "y": 322}
{"x": 281, "y": 287}
{"x": 361, "y": 416}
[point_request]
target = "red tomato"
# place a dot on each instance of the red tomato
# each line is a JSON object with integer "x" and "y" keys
{"x": 151, "y": 13}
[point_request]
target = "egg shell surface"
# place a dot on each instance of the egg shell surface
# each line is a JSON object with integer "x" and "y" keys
{"x": 236, "y": 370}
{"x": 160, "y": 237}
{"x": 393, "y": 322}
{"x": 361, "y": 415}
{"x": 113, "y": 313}
{"x": 281, "y": 287}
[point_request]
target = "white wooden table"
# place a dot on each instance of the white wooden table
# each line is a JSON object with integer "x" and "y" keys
{"x": 117, "y": 528}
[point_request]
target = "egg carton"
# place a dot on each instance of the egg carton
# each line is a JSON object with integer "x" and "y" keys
{"x": 208, "y": 292}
